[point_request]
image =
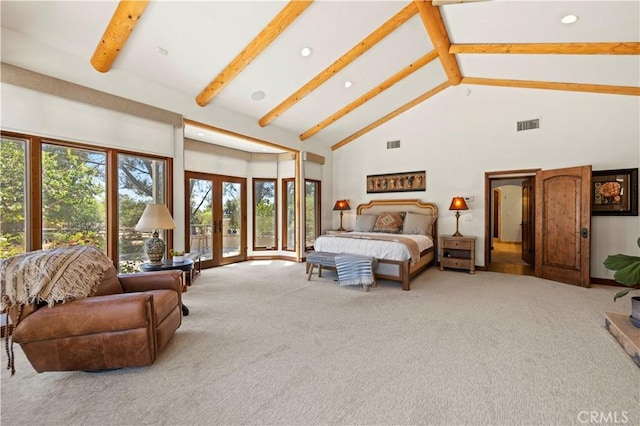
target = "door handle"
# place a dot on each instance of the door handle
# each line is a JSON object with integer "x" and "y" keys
{"x": 584, "y": 233}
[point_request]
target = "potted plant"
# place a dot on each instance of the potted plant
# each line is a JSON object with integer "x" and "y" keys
{"x": 178, "y": 256}
{"x": 628, "y": 273}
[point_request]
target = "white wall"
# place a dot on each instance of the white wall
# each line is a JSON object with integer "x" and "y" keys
{"x": 40, "y": 114}
{"x": 458, "y": 138}
{"x": 510, "y": 213}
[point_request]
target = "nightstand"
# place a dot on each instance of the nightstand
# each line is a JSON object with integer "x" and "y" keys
{"x": 458, "y": 253}
{"x": 335, "y": 231}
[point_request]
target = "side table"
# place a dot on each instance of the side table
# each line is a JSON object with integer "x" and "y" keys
{"x": 458, "y": 253}
{"x": 186, "y": 267}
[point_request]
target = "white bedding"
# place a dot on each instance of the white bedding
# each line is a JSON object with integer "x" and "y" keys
{"x": 390, "y": 250}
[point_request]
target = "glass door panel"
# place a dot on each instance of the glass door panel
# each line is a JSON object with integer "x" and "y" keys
{"x": 216, "y": 219}
{"x": 201, "y": 218}
{"x": 231, "y": 219}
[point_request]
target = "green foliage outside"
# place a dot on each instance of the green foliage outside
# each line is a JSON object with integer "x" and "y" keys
{"x": 265, "y": 213}
{"x": 12, "y": 192}
{"x": 73, "y": 199}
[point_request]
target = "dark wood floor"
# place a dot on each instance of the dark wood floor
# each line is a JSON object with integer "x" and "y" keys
{"x": 507, "y": 259}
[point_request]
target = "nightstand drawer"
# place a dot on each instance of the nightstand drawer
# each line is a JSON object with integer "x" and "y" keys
{"x": 456, "y": 263}
{"x": 458, "y": 253}
{"x": 455, "y": 244}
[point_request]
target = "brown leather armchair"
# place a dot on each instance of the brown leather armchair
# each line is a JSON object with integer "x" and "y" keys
{"x": 125, "y": 324}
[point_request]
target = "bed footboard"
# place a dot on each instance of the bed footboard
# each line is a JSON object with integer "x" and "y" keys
{"x": 402, "y": 271}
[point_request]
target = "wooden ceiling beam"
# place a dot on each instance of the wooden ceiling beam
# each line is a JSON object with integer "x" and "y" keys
{"x": 437, "y": 31}
{"x": 367, "y": 43}
{"x": 189, "y": 122}
{"x": 392, "y": 115}
{"x": 122, "y": 23}
{"x": 572, "y": 87}
{"x": 281, "y": 22}
{"x": 405, "y": 72}
{"x": 618, "y": 48}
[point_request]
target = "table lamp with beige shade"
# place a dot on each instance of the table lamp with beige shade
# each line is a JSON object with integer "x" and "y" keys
{"x": 155, "y": 217}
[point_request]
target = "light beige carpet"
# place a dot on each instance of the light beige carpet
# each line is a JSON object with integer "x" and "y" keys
{"x": 263, "y": 345}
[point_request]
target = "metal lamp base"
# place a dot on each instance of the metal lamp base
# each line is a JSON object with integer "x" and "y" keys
{"x": 457, "y": 234}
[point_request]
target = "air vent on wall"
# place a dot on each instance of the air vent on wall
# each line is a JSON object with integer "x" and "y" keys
{"x": 393, "y": 144}
{"x": 528, "y": 124}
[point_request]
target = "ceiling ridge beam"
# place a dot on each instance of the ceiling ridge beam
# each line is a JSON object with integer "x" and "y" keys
{"x": 122, "y": 23}
{"x": 392, "y": 114}
{"x": 572, "y": 87}
{"x": 278, "y": 24}
{"x": 616, "y": 48}
{"x": 354, "y": 53}
{"x": 400, "y": 75}
{"x": 437, "y": 31}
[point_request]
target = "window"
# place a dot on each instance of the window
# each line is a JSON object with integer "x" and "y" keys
{"x": 57, "y": 193}
{"x": 264, "y": 214}
{"x": 73, "y": 197}
{"x": 289, "y": 217}
{"x": 311, "y": 211}
{"x": 13, "y": 206}
{"x": 140, "y": 182}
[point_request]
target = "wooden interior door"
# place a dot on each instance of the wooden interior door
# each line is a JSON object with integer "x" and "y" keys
{"x": 528, "y": 221}
{"x": 563, "y": 225}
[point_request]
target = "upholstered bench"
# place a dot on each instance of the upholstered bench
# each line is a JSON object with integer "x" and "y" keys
{"x": 352, "y": 269}
{"x": 320, "y": 259}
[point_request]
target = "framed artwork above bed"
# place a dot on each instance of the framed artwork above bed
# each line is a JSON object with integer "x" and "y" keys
{"x": 397, "y": 182}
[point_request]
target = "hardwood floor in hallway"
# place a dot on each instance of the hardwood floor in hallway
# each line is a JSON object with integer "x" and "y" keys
{"x": 507, "y": 258}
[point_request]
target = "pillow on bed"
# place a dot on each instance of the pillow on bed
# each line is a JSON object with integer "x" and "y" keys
{"x": 365, "y": 222}
{"x": 390, "y": 222}
{"x": 416, "y": 223}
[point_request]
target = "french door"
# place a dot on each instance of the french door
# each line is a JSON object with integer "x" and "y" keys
{"x": 216, "y": 218}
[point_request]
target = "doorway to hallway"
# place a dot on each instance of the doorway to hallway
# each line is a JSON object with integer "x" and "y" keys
{"x": 509, "y": 245}
{"x": 507, "y": 258}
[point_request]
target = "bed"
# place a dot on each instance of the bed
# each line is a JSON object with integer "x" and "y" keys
{"x": 401, "y": 255}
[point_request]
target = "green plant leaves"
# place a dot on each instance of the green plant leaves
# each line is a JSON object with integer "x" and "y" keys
{"x": 620, "y": 294}
{"x": 627, "y": 268}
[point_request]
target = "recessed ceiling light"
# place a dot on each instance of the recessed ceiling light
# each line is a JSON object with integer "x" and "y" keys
{"x": 306, "y": 51}
{"x": 258, "y": 95}
{"x": 162, "y": 51}
{"x": 348, "y": 84}
{"x": 569, "y": 19}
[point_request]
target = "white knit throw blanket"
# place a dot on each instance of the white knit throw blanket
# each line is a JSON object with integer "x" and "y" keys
{"x": 52, "y": 276}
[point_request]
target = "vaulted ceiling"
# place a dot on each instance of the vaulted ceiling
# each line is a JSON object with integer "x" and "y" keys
{"x": 202, "y": 58}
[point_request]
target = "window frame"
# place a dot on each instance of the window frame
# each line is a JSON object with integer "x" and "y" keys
{"x": 317, "y": 210}
{"x": 33, "y": 219}
{"x": 285, "y": 214}
{"x": 254, "y": 181}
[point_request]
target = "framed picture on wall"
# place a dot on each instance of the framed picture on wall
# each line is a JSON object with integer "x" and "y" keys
{"x": 397, "y": 182}
{"x": 614, "y": 192}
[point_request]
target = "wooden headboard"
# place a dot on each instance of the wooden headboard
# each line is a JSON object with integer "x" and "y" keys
{"x": 404, "y": 205}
